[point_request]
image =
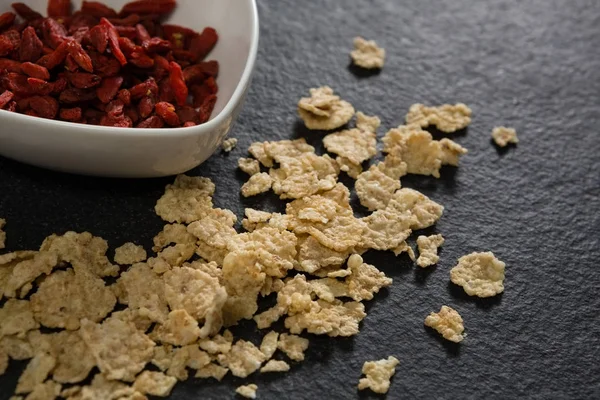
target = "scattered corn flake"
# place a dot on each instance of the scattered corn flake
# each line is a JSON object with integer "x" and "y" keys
{"x": 365, "y": 281}
{"x": 35, "y": 373}
{"x": 312, "y": 255}
{"x": 180, "y": 358}
{"x": 214, "y": 232}
{"x": 329, "y": 288}
{"x": 18, "y": 348}
{"x": 73, "y": 358}
{"x": 2, "y": 233}
{"x": 254, "y": 218}
{"x": 243, "y": 359}
{"x": 163, "y": 356}
{"x": 333, "y": 319}
{"x": 287, "y": 148}
{"x": 375, "y": 189}
{"x": 367, "y": 54}
{"x": 229, "y": 144}
{"x": 268, "y": 345}
{"x": 3, "y": 361}
{"x": 304, "y": 175}
{"x": 212, "y": 370}
{"x": 367, "y": 123}
{"x": 392, "y": 166}
{"x": 102, "y": 388}
{"x": 48, "y": 390}
{"x": 258, "y": 183}
{"x": 197, "y": 358}
{"x": 502, "y": 136}
{"x": 342, "y": 273}
{"x": 247, "y": 391}
{"x": 425, "y": 211}
{"x": 218, "y": 344}
{"x": 212, "y": 268}
{"x": 130, "y": 253}
{"x": 271, "y": 285}
{"x": 354, "y": 144}
{"x": 172, "y": 234}
{"x": 119, "y": 348}
{"x": 405, "y": 248}
{"x": 416, "y": 148}
{"x": 249, "y": 166}
{"x": 480, "y": 274}
{"x": 275, "y": 366}
{"x": 66, "y": 297}
{"x": 179, "y": 329}
{"x": 451, "y": 152}
{"x": 186, "y": 200}
{"x": 386, "y": 229}
{"x": 154, "y": 383}
{"x": 324, "y": 110}
{"x": 26, "y": 271}
{"x": 293, "y": 346}
{"x": 428, "y": 248}
{"x": 447, "y": 118}
{"x": 352, "y": 170}
{"x": 8, "y": 262}
{"x": 257, "y": 149}
{"x": 448, "y": 323}
{"x": 16, "y": 318}
{"x": 378, "y": 375}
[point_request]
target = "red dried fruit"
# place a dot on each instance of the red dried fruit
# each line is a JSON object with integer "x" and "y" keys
{"x": 59, "y": 8}
{"x": 132, "y": 114}
{"x": 167, "y": 112}
{"x": 6, "y": 20}
{"x": 44, "y": 106}
{"x": 118, "y": 121}
{"x": 178, "y": 35}
{"x": 55, "y": 58}
{"x": 156, "y": 45}
{"x": 81, "y": 20}
{"x": 59, "y": 85}
{"x": 105, "y": 66}
{"x": 126, "y": 31}
{"x": 71, "y": 114}
{"x": 115, "y": 107}
{"x": 152, "y": 122}
{"x": 130, "y": 20}
{"x": 113, "y": 41}
{"x": 76, "y": 96}
{"x": 206, "y": 108}
{"x": 148, "y": 7}
{"x": 54, "y": 33}
{"x": 184, "y": 55}
{"x": 189, "y": 124}
{"x": 97, "y": 9}
{"x": 12, "y": 106}
{"x": 146, "y": 88}
{"x": 201, "y": 92}
{"x": 202, "y": 44}
{"x": 25, "y": 12}
{"x": 180, "y": 90}
{"x": 70, "y": 64}
{"x": 127, "y": 46}
{"x": 161, "y": 67}
{"x": 165, "y": 92}
{"x": 80, "y": 56}
{"x": 146, "y": 106}
{"x": 9, "y": 42}
{"x": 31, "y": 46}
{"x": 141, "y": 60}
{"x": 201, "y": 71}
{"x": 6, "y": 98}
{"x": 82, "y": 80}
{"x": 10, "y": 65}
{"x": 142, "y": 33}
{"x": 99, "y": 38}
{"x": 187, "y": 114}
{"x": 35, "y": 71}
{"x": 40, "y": 86}
{"x": 109, "y": 89}
{"x": 80, "y": 34}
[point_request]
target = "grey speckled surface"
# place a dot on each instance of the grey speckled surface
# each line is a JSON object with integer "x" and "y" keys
{"x": 531, "y": 64}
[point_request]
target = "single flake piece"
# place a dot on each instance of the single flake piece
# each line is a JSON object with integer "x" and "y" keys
{"x": 18, "y": 349}
{"x": 447, "y": 118}
{"x": 255, "y": 218}
{"x": 333, "y": 319}
{"x": 312, "y": 255}
{"x": 257, "y": 149}
{"x": 375, "y": 189}
{"x": 229, "y": 144}
{"x": 249, "y": 166}
{"x": 451, "y": 152}
{"x": 35, "y": 373}
{"x": 73, "y": 358}
{"x": 218, "y": 344}
{"x": 393, "y": 166}
{"x": 48, "y": 390}
{"x": 20, "y": 277}
{"x": 405, "y": 248}
{"x": 293, "y": 346}
{"x": 2, "y": 233}
{"x": 269, "y": 344}
{"x": 324, "y": 110}
{"x": 214, "y": 232}
{"x": 365, "y": 280}
{"x": 425, "y": 212}
{"x": 378, "y": 375}
{"x": 503, "y": 136}
{"x": 243, "y": 359}
{"x": 8, "y": 262}
{"x": 275, "y": 366}
{"x": 247, "y": 391}
{"x": 480, "y": 274}
{"x": 16, "y": 318}
{"x": 186, "y": 200}
{"x": 428, "y": 248}
{"x": 416, "y": 148}
{"x": 212, "y": 370}
{"x": 367, "y": 123}
{"x": 154, "y": 383}
{"x": 353, "y": 170}
{"x": 287, "y": 148}
{"x": 172, "y": 234}
{"x": 197, "y": 358}
{"x": 354, "y": 144}
{"x": 130, "y": 253}
{"x": 387, "y": 228}
{"x": 448, "y": 323}
{"x": 304, "y": 175}
{"x": 102, "y": 388}
{"x": 367, "y": 54}
{"x": 180, "y": 329}
{"x": 258, "y": 183}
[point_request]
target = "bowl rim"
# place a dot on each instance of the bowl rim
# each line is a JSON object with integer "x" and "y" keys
{"x": 206, "y": 127}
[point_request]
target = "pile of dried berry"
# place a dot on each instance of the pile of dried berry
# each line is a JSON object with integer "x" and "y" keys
{"x": 102, "y": 67}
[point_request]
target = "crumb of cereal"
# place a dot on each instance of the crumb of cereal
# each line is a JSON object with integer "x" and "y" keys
{"x": 154, "y": 383}
{"x": 2, "y": 233}
{"x": 180, "y": 329}
{"x": 24, "y": 271}
{"x": 269, "y": 344}
{"x": 255, "y": 219}
{"x": 365, "y": 280}
{"x": 378, "y": 375}
{"x": 249, "y": 166}
{"x": 229, "y": 144}
{"x": 353, "y": 170}
{"x": 293, "y": 346}
{"x": 375, "y": 189}
{"x": 324, "y": 110}
{"x": 428, "y": 248}
{"x": 247, "y": 391}
{"x": 243, "y": 359}
{"x": 212, "y": 370}
{"x": 448, "y": 323}
{"x": 451, "y": 152}
{"x": 504, "y": 136}
{"x": 36, "y": 372}
{"x": 275, "y": 366}
{"x": 480, "y": 274}
{"x": 257, "y": 149}
{"x": 367, "y": 54}
{"x": 258, "y": 183}
{"x": 130, "y": 253}
{"x": 328, "y": 318}
{"x": 447, "y": 118}
{"x": 48, "y": 390}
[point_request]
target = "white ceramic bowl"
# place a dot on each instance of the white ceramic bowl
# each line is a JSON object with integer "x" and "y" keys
{"x": 131, "y": 152}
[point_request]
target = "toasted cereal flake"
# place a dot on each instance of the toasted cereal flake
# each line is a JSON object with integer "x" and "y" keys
{"x": 3, "y": 361}
{"x": 375, "y": 189}
{"x": 102, "y": 388}
{"x": 304, "y": 175}
{"x": 365, "y": 279}
{"x": 254, "y": 218}
{"x": 367, "y": 123}
{"x": 83, "y": 251}
{"x": 212, "y": 370}
{"x": 329, "y": 288}
{"x": 218, "y": 344}
{"x": 197, "y": 358}
{"x": 425, "y": 211}
{"x": 259, "y": 183}
{"x": 480, "y": 274}
{"x": 447, "y": 118}
{"x": 247, "y": 391}
{"x": 180, "y": 329}
{"x": 66, "y": 297}
{"x": 416, "y": 148}
{"x": 392, "y": 166}
{"x": 451, "y": 152}
{"x": 342, "y": 273}
{"x": 448, "y": 323}
{"x": 130, "y": 253}
{"x": 293, "y": 346}
{"x": 269, "y": 344}
{"x": 324, "y": 110}
{"x": 16, "y": 318}
{"x": 367, "y": 54}
{"x": 163, "y": 356}
{"x": 287, "y": 148}
{"x": 26, "y": 271}
{"x": 271, "y": 285}
{"x": 405, "y": 248}
{"x": 154, "y": 383}
{"x": 378, "y": 375}
{"x": 186, "y": 200}
{"x": 386, "y": 229}
{"x": 257, "y": 149}
{"x": 172, "y": 234}
{"x": 275, "y": 366}
{"x": 16, "y": 348}
{"x": 249, "y": 166}
{"x": 36, "y": 372}
{"x": 212, "y": 268}
{"x": 353, "y": 170}
{"x": 2, "y": 233}
{"x": 214, "y": 232}
{"x": 119, "y": 348}
{"x": 428, "y": 246}
{"x": 502, "y": 136}
{"x": 313, "y": 256}
{"x": 178, "y": 363}
{"x": 354, "y": 144}
{"x": 229, "y": 144}
{"x": 243, "y": 359}
{"x": 7, "y": 265}
{"x": 48, "y": 390}
{"x": 333, "y": 319}
{"x": 73, "y": 358}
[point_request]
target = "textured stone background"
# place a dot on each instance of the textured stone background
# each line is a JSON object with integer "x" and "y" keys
{"x": 531, "y": 64}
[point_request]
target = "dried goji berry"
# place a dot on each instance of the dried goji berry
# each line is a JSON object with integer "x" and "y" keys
{"x": 146, "y": 106}
{"x": 132, "y": 114}
{"x": 99, "y": 37}
{"x": 6, "y": 20}
{"x": 40, "y": 86}
{"x": 152, "y": 122}
{"x": 76, "y": 96}
{"x": 16, "y": 83}
{"x": 6, "y": 98}
{"x": 184, "y": 55}
{"x": 161, "y": 67}
{"x": 178, "y": 35}
{"x": 141, "y": 60}
{"x": 10, "y": 65}
{"x": 59, "y": 8}
{"x": 165, "y": 92}
{"x": 125, "y": 96}
{"x": 59, "y": 85}
{"x": 83, "y": 80}
{"x": 55, "y": 58}
{"x": 145, "y": 88}
{"x": 54, "y": 33}
{"x": 115, "y": 107}
{"x": 26, "y": 12}
{"x": 109, "y": 89}
{"x": 148, "y": 7}
{"x": 80, "y": 34}
{"x": 206, "y": 108}
{"x": 180, "y": 90}
{"x": 70, "y": 114}
{"x": 130, "y": 20}
{"x": 31, "y": 46}
{"x": 11, "y": 106}
{"x": 113, "y": 41}
{"x": 105, "y": 66}
{"x": 201, "y": 92}
{"x": 187, "y": 114}
{"x": 35, "y": 71}
{"x": 44, "y": 106}
{"x": 118, "y": 121}
{"x": 156, "y": 45}
{"x": 97, "y": 9}
{"x": 70, "y": 64}
{"x": 32, "y": 113}
{"x": 167, "y": 112}
{"x": 9, "y": 42}
{"x": 80, "y": 20}
{"x": 201, "y": 71}
{"x": 80, "y": 56}
{"x": 202, "y": 44}
{"x": 189, "y": 124}
{"x": 142, "y": 33}
{"x": 127, "y": 46}
{"x": 126, "y": 31}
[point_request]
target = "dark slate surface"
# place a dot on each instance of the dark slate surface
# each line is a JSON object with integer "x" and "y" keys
{"x": 530, "y": 64}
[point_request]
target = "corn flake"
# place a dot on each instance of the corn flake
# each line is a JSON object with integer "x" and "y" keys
{"x": 451, "y": 152}
{"x": 503, "y": 136}
{"x": 73, "y": 358}
{"x": 448, "y": 323}
{"x": 229, "y": 144}
{"x": 428, "y": 247}
{"x": 3, "y": 361}
{"x": 367, "y": 54}
{"x": 102, "y": 388}
{"x": 179, "y": 329}
{"x": 36, "y": 372}
{"x": 249, "y": 166}
{"x": 212, "y": 370}
{"x": 257, "y": 149}
{"x": 447, "y": 118}
{"x": 268, "y": 345}
{"x": 26, "y": 271}
{"x": 16, "y": 318}
{"x": 365, "y": 279}
{"x": 275, "y": 366}
{"x": 386, "y": 229}
{"x": 480, "y": 274}
{"x": 287, "y": 148}
{"x": 367, "y": 123}
{"x": 218, "y": 344}
{"x": 416, "y": 148}
{"x": 378, "y": 375}
{"x": 312, "y": 255}
{"x": 293, "y": 346}
{"x": 186, "y": 200}
{"x": 255, "y": 219}
{"x": 333, "y": 319}
{"x": 375, "y": 189}
{"x": 154, "y": 383}
{"x": 130, "y": 253}
{"x": 351, "y": 169}
{"x": 304, "y": 175}
{"x": 214, "y": 232}
{"x": 324, "y": 110}
{"x": 17, "y": 348}
{"x": 355, "y": 145}
{"x": 48, "y": 390}
{"x": 243, "y": 359}
{"x": 425, "y": 211}
{"x": 392, "y": 166}
{"x": 247, "y": 391}
{"x": 172, "y": 234}
{"x": 258, "y": 183}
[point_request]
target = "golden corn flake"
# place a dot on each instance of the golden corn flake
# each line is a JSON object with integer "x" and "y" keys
{"x": 17, "y": 348}
{"x": 287, "y": 148}
{"x": 186, "y": 200}
{"x": 172, "y": 234}
{"x": 102, "y": 388}
{"x": 503, "y": 136}
{"x": 180, "y": 329}
{"x": 243, "y": 359}
{"x": 48, "y": 390}
{"x": 354, "y": 144}
{"x": 7, "y": 265}
{"x": 229, "y": 144}
{"x": 154, "y": 383}
{"x": 333, "y": 319}
{"x": 275, "y": 366}
{"x": 36, "y": 372}
{"x": 416, "y": 148}
{"x": 16, "y": 318}
{"x": 247, "y": 391}
{"x": 480, "y": 274}
{"x": 73, "y": 358}
{"x": 328, "y": 288}
{"x": 365, "y": 280}
{"x": 268, "y": 345}
{"x": 392, "y": 166}
{"x": 386, "y": 229}
{"x": 214, "y": 232}
{"x": 367, "y": 123}
{"x": 367, "y": 54}
{"x": 447, "y": 118}
{"x": 425, "y": 211}
{"x": 293, "y": 346}
{"x": 2, "y": 233}
{"x": 19, "y": 278}
{"x": 212, "y": 370}
{"x": 197, "y": 358}
{"x": 378, "y": 375}
{"x": 119, "y": 348}
{"x": 312, "y": 255}
{"x": 257, "y": 149}
{"x": 448, "y": 323}
{"x": 324, "y": 110}
{"x": 66, "y": 297}
{"x": 218, "y": 344}
{"x": 178, "y": 363}
{"x": 405, "y": 248}
{"x": 353, "y": 170}
{"x": 375, "y": 189}
{"x": 254, "y": 218}
{"x": 451, "y": 152}
{"x": 130, "y": 253}
{"x": 249, "y": 166}
{"x": 304, "y": 175}
{"x": 258, "y": 183}
{"x": 428, "y": 247}
{"x": 163, "y": 356}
